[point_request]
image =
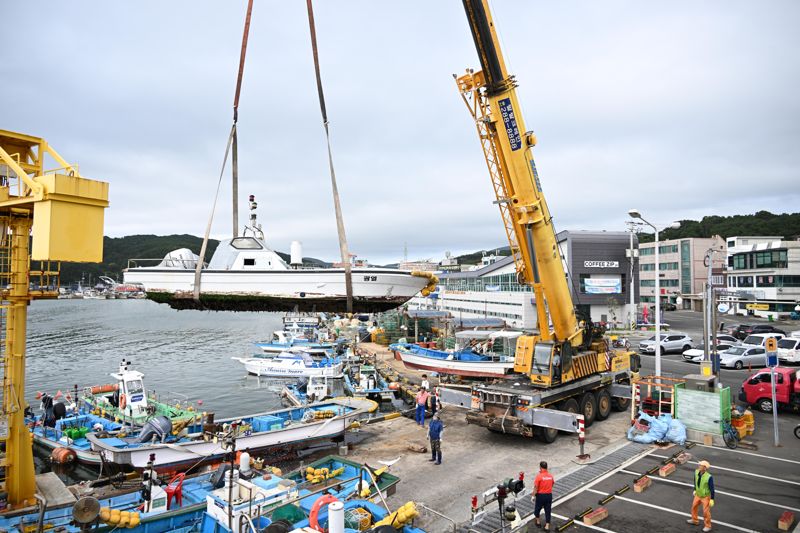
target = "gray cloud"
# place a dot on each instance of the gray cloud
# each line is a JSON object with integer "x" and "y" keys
{"x": 680, "y": 110}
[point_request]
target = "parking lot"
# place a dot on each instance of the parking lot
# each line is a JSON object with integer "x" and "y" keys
{"x": 753, "y": 489}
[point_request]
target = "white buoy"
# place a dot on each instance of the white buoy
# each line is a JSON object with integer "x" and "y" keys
{"x": 296, "y": 253}
{"x": 336, "y": 517}
{"x": 244, "y": 463}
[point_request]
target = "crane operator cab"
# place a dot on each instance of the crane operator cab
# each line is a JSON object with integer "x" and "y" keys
{"x": 550, "y": 364}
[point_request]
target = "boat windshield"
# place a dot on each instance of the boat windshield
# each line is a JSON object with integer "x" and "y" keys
{"x": 135, "y": 386}
{"x": 246, "y": 243}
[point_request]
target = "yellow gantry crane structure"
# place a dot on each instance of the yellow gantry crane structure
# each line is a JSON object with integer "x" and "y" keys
{"x": 46, "y": 216}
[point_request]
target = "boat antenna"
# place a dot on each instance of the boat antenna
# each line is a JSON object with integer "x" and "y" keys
{"x": 254, "y": 226}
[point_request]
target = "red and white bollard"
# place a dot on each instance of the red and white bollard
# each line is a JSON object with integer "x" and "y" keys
{"x": 582, "y": 437}
{"x": 637, "y": 399}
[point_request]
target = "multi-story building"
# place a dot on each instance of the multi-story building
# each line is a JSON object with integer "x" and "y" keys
{"x": 598, "y": 273}
{"x": 682, "y": 270}
{"x": 763, "y": 275}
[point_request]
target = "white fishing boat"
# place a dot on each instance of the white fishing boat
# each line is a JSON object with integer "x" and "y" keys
{"x": 244, "y": 274}
{"x": 296, "y": 340}
{"x": 482, "y": 354}
{"x": 284, "y": 427}
{"x": 291, "y": 364}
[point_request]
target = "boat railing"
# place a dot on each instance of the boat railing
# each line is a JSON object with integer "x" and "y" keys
{"x": 245, "y": 520}
{"x": 440, "y": 515}
{"x": 187, "y": 263}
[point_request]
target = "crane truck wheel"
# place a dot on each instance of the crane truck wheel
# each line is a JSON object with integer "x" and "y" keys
{"x": 588, "y": 408}
{"x": 603, "y": 404}
{"x": 570, "y": 405}
{"x": 546, "y": 435}
{"x": 621, "y": 404}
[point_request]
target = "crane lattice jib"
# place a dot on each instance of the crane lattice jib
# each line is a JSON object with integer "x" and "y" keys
{"x": 491, "y": 95}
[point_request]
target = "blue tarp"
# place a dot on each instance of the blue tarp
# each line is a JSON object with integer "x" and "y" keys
{"x": 663, "y": 428}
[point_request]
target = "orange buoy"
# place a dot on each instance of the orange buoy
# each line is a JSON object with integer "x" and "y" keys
{"x": 108, "y": 387}
{"x": 122, "y": 401}
{"x": 312, "y": 516}
{"x": 62, "y": 455}
{"x": 394, "y": 385}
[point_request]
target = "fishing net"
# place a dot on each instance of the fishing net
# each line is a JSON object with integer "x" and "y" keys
{"x": 357, "y": 518}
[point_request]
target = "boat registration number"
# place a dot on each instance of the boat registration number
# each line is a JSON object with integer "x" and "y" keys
{"x": 370, "y": 278}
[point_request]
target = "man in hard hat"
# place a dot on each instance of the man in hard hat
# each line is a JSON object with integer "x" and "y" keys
{"x": 703, "y": 494}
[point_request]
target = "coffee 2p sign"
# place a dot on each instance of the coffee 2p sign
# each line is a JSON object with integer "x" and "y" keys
{"x": 601, "y": 264}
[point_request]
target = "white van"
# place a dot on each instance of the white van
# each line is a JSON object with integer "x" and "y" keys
{"x": 789, "y": 350}
{"x": 760, "y": 339}
{"x": 795, "y": 334}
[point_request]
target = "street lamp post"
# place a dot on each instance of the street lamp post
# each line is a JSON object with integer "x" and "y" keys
{"x": 634, "y": 213}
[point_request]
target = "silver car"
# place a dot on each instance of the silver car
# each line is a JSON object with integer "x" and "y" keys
{"x": 739, "y": 357}
{"x": 696, "y": 355}
{"x": 670, "y": 342}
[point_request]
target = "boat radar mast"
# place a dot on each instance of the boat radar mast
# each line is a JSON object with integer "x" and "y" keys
{"x": 254, "y": 227}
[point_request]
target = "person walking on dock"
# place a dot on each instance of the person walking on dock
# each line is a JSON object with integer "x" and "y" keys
{"x": 435, "y": 430}
{"x": 703, "y": 495}
{"x": 422, "y": 402}
{"x": 543, "y": 495}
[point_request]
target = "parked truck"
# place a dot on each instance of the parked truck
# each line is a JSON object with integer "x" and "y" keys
{"x": 566, "y": 367}
{"x": 757, "y": 389}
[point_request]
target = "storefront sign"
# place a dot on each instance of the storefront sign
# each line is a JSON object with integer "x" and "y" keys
{"x": 601, "y": 264}
{"x": 757, "y": 307}
{"x": 603, "y": 286}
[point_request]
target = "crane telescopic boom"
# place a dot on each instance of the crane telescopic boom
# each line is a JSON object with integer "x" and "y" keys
{"x": 491, "y": 96}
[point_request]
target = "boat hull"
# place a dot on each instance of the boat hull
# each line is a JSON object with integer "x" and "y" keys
{"x": 374, "y": 290}
{"x": 269, "y": 367}
{"x": 476, "y": 369}
{"x": 197, "y": 451}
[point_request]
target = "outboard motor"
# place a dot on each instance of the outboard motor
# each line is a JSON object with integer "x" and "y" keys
{"x": 158, "y": 427}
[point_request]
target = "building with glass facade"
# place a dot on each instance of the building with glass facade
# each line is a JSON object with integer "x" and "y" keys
{"x": 682, "y": 270}
{"x": 763, "y": 275}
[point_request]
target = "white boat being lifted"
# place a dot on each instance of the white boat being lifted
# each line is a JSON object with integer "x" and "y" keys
{"x": 244, "y": 274}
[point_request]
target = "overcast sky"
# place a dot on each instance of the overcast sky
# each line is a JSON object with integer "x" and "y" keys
{"x": 680, "y": 109}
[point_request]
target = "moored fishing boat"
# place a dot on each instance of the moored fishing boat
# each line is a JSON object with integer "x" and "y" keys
{"x": 477, "y": 357}
{"x": 119, "y": 408}
{"x": 364, "y": 380}
{"x": 291, "y": 364}
{"x": 313, "y": 389}
{"x": 285, "y": 340}
{"x": 262, "y": 431}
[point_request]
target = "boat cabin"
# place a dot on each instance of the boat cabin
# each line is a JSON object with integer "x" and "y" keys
{"x": 245, "y": 253}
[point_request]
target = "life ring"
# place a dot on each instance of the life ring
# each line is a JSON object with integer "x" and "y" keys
{"x": 312, "y": 517}
{"x": 122, "y": 401}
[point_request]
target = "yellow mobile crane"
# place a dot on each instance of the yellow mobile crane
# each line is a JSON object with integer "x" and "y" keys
{"x": 47, "y": 216}
{"x": 570, "y": 365}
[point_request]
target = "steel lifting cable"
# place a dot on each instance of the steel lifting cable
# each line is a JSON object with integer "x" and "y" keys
{"x": 348, "y": 279}
{"x": 232, "y": 144}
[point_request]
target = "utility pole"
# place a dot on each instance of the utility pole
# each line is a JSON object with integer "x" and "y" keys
{"x": 632, "y": 255}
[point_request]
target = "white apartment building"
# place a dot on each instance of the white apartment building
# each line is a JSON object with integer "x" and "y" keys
{"x": 763, "y": 276}
{"x": 681, "y": 268}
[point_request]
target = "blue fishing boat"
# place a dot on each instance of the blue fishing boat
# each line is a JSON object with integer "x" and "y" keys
{"x": 314, "y": 389}
{"x": 263, "y": 431}
{"x": 365, "y": 381}
{"x": 182, "y": 503}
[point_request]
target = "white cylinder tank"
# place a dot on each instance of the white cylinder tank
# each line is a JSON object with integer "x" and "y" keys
{"x": 336, "y": 517}
{"x": 296, "y": 253}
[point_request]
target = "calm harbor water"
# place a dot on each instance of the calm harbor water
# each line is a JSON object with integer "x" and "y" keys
{"x": 80, "y": 342}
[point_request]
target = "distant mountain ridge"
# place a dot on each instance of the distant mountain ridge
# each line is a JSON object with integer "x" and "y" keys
{"x": 117, "y": 251}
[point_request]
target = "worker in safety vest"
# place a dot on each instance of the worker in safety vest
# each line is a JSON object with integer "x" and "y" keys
{"x": 543, "y": 495}
{"x": 703, "y": 494}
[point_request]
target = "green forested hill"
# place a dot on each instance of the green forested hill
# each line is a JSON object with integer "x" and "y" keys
{"x": 786, "y": 225}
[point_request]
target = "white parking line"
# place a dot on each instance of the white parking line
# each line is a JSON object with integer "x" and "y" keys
{"x": 630, "y": 461}
{"x": 753, "y": 454}
{"x": 673, "y": 511}
{"x": 772, "y": 478}
{"x": 579, "y": 523}
{"x": 658, "y": 478}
